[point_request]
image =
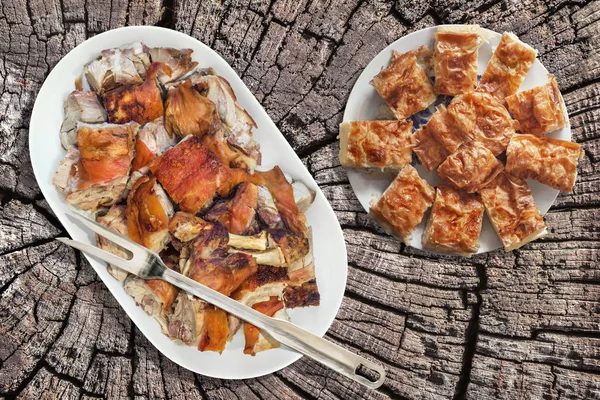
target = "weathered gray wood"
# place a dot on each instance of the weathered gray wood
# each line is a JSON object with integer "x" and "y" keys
{"x": 513, "y": 325}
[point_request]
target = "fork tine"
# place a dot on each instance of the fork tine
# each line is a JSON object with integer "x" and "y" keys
{"x": 101, "y": 230}
{"x": 98, "y": 253}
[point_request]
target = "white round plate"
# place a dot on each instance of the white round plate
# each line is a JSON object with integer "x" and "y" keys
{"x": 365, "y": 103}
{"x": 329, "y": 246}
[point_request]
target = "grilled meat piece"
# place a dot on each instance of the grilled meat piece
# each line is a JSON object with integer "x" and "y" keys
{"x": 186, "y": 323}
{"x": 239, "y": 213}
{"x": 114, "y": 219}
{"x": 154, "y": 295}
{"x": 303, "y": 295}
{"x": 189, "y": 113}
{"x": 116, "y": 67}
{"x": 141, "y": 103}
{"x": 215, "y": 330}
{"x": 180, "y": 61}
{"x": 223, "y": 274}
{"x": 191, "y": 174}
{"x": 100, "y": 176}
{"x": 256, "y": 340}
{"x": 79, "y": 106}
{"x": 152, "y": 141}
{"x": 294, "y": 246}
{"x": 185, "y": 226}
{"x": 148, "y": 213}
{"x": 65, "y": 168}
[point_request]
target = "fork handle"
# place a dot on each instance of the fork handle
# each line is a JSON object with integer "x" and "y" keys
{"x": 327, "y": 353}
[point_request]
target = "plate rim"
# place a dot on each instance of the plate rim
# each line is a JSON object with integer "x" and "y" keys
{"x": 342, "y": 275}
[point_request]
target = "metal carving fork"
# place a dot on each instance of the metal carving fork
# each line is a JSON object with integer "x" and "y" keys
{"x": 148, "y": 265}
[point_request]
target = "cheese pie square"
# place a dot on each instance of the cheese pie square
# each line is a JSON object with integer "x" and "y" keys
{"x": 552, "y": 162}
{"x": 429, "y": 150}
{"x": 471, "y": 167}
{"x": 376, "y": 144}
{"x": 512, "y": 210}
{"x": 507, "y": 68}
{"x": 483, "y": 119}
{"x": 454, "y": 223}
{"x": 445, "y": 129}
{"x": 455, "y": 59}
{"x": 402, "y": 206}
{"x": 539, "y": 110}
{"x": 404, "y": 85}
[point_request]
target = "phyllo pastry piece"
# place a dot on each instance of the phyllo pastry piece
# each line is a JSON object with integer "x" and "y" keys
{"x": 404, "y": 85}
{"x": 507, "y": 68}
{"x": 141, "y": 103}
{"x": 403, "y": 204}
{"x": 455, "y": 222}
{"x": 512, "y": 210}
{"x": 483, "y": 119}
{"x": 539, "y": 110}
{"x": 445, "y": 129}
{"x": 455, "y": 59}
{"x": 98, "y": 176}
{"x": 79, "y": 106}
{"x": 429, "y": 150}
{"x": 552, "y": 162}
{"x": 379, "y": 144}
{"x": 471, "y": 167}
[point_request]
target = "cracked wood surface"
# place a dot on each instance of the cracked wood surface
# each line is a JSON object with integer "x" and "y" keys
{"x": 514, "y": 325}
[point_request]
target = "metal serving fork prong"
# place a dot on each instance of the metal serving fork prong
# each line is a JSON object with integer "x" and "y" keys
{"x": 147, "y": 264}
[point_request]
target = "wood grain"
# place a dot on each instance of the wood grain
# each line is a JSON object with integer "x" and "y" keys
{"x": 516, "y": 325}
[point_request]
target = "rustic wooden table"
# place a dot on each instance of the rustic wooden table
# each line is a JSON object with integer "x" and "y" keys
{"x": 524, "y": 324}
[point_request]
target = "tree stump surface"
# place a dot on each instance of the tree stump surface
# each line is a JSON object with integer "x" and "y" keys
{"x": 517, "y": 325}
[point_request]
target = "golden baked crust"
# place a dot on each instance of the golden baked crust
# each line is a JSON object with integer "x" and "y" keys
{"x": 404, "y": 85}
{"x": 455, "y": 222}
{"x": 403, "y": 204}
{"x": 483, "y": 119}
{"x": 552, "y": 162}
{"x": 507, "y": 68}
{"x": 376, "y": 144}
{"x": 455, "y": 59}
{"x": 512, "y": 210}
{"x": 445, "y": 129}
{"x": 428, "y": 149}
{"x": 539, "y": 110}
{"x": 471, "y": 167}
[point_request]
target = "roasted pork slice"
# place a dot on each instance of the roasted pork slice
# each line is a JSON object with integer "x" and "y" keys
{"x": 454, "y": 223}
{"x": 187, "y": 112}
{"x": 471, "y": 167}
{"x": 303, "y": 269}
{"x": 304, "y": 295}
{"x": 223, "y": 274}
{"x": 258, "y": 242}
{"x": 215, "y": 331}
{"x": 303, "y": 196}
{"x": 186, "y": 323}
{"x": 79, "y": 106}
{"x": 267, "y": 282}
{"x": 238, "y": 214}
{"x": 267, "y": 212}
{"x": 185, "y": 226}
{"x": 271, "y": 256}
{"x": 141, "y": 103}
{"x": 294, "y": 246}
{"x": 65, "y": 168}
{"x": 116, "y": 220}
{"x": 100, "y": 176}
{"x": 403, "y": 204}
{"x": 191, "y": 174}
{"x": 256, "y": 340}
{"x": 116, "y": 67}
{"x": 154, "y": 295}
{"x": 210, "y": 243}
{"x": 552, "y": 162}
{"x": 148, "y": 213}
{"x": 152, "y": 141}
{"x": 513, "y": 211}
{"x": 179, "y": 60}
{"x": 237, "y": 123}
{"x": 484, "y": 119}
